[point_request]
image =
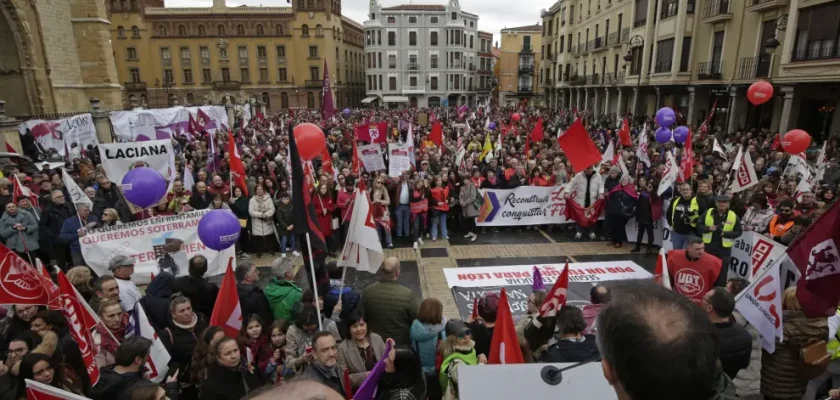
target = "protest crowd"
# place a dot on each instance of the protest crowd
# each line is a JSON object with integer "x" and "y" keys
{"x": 312, "y": 334}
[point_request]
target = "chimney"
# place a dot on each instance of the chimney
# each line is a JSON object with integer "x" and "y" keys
{"x": 219, "y": 4}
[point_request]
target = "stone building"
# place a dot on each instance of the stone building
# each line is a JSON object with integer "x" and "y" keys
{"x": 54, "y": 56}
{"x": 520, "y": 65}
{"x": 168, "y": 56}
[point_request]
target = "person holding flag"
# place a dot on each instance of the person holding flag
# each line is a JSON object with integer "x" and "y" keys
{"x": 127, "y": 374}
{"x": 457, "y": 349}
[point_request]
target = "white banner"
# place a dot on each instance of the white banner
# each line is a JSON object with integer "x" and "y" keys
{"x": 761, "y": 304}
{"x": 521, "y": 274}
{"x": 56, "y": 134}
{"x": 119, "y": 158}
{"x": 167, "y": 121}
{"x": 371, "y": 156}
{"x": 525, "y": 205}
{"x": 745, "y": 176}
{"x": 146, "y": 241}
{"x": 398, "y": 159}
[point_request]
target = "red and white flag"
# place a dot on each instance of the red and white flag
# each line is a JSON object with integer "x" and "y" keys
{"x": 816, "y": 255}
{"x": 80, "y": 322}
{"x": 237, "y": 168}
{"x": 717, "y": 149}
{"x": 362, "y": 249}
{"x": 20, "y": 190}
{"x": 227, "y": 312}
{"x": 157, "y": 363}
{"x": 669, "y": 174}
{"x": 556, "y": 297}
{"x": 761, "y": 304}
{"x": 745, "y": 176}
{"x": 21, "y": 284}
{"x": 40, "y": 391}
{"x": 642, "y": 149}
{"x": 504, "y": 346}
{"x": 660, "y": 273}
{"x": 609, "y": 154}
{"x": 584, "y": 216}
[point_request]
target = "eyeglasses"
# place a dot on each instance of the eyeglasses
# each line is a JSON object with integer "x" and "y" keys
{"x": 17, "y": 352}
{"x": 785, "y": 210}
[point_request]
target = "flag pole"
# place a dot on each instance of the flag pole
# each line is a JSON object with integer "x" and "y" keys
{"x": 341, "y": 289}
{"x": 729, "y": 175}
{"x": 26, "y": 249}
{"x": 314, "y": 278}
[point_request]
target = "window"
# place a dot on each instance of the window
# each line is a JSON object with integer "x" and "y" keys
{"x": 392, "y": 38}
{"x": 263, "y": 74}
{"x": 240, "y": 30}
{"x": 245, "y": 75}
{"x": 225, "y": 74}
{"x": 392, "y": 20}
{"x": 472, "y": 24}
{"x": 168, "y": 76}
{"x": 319, "y": 30}
{"x": 471, "y": 41}
{"x": 188, "y": 78}
{"x": 392, "y": 83}
{"x": 131, "y": 54}
{"x": 162, "y": 30}
{"x": 281, "y": 75}
{"x": 204, "y": 52}
{"x": 135, "y": 32}
{"x": 433, "y": 39}
{"x": 243, "y": 53}
{"x": 205, "y": 75}
{"x": 412, "y": 38}
{"x": 664, "y": 54}
{"x": 185, "y": 54}
{"x": 313, "y": 51}
{"x": 135, "y": 74}
{"x": 817, "y": 33}
{"x": 454, "y": 16}
{"x": 314, "y": 73}
{"x": 310, "y": 100}
{"x": 182, "y": 30}
{"x": 686, "y": 53}
{"x": 281, "y": 51}
{"x": 165, "y": 55}
{"x": 260, "y": 30}
{"x": 304, "y": 30}
{"x": 202, "y": 31}
{"x": 392, "y": 61}
{"x": 640, "y": 13}
{"x": 717, "y": 52}
{"x": 284, "y": 100}
{"x": 278, "y": 30}
{"x": 379, "y": 38}
{"x": 412, "y": 20}
{"x": 220, "y": 30}
{"x": 433, "y": 20}
{"x": 412, "y": 81}
{"x": 120, "y": 32}
{"x": 669, "y": 8}
{"x": 261, "y": 52}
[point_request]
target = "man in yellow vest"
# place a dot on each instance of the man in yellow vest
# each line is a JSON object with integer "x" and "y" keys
{"x": 720, "y": 227}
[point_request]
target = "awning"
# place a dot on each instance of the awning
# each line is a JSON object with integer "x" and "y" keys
{"x": 369, "y": 99}
{"x": 395, "y": 99}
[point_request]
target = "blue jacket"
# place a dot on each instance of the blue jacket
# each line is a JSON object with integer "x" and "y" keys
{"x": 69, "y": 232}
{"x": 424, "y": 338}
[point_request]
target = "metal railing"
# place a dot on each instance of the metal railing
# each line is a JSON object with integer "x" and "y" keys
{"x": 714, "y": 8}
{"x": 412, "y": 66}
{"x": 314, "y": 83}
{"x": 641, "y": 22}
{"x": 135, "y": 85}
{"x": 709, "y": 70}
{"x": 527, "y": 48}
{"x": 525, "y": 89}
{"x": 526, "y": 68}
{"x": 761, "y": 2}
{"x": 227, "y": 85}
{"x": 612, "y": 39}
{"x": 619, "y": 79}
{"x": 625, "y": 35}
{"x": 662, "y": 66}
{"x": 816, "y": 53}
{"x": 754, "y": 67}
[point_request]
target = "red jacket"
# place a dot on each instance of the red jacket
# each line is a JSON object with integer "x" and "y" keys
{"x": 440, "y": 195}
{"x": 693, "y": 279}
{"x": 324, "y": 221}
{"x": 344, "y": 201}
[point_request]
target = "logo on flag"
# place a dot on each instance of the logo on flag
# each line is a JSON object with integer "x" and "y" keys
{"x": 824, "y": 260}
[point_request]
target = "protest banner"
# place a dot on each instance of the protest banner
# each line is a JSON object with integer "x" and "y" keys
{"x": 398, "y": 159}
{"x": 119, "y": 158}
{"x": 61, "y": 134}
{"x": 761, "y": 304}
{"x": 371, "y": 156}
{"x": 149, "y": 241}
{"x": 468, "y": 283}
{"x": 167, "y": 121}
{"x": 525, "y": 205}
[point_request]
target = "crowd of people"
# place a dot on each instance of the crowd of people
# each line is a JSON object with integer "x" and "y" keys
{"x": 283, "y": 342}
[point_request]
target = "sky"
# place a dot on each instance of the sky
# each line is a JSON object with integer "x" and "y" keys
{"x": 494, "y": 15}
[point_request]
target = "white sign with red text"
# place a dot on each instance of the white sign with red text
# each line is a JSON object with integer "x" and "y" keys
{"x": 761, "y": 304}
{"x": 522, "y": 274}
{"x": 525, "y": 205}
{"x": 371, "y": 156}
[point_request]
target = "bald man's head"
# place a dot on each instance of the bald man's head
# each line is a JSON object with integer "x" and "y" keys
{"x": 391, "y": 268}
{"x": 298, "y": 389}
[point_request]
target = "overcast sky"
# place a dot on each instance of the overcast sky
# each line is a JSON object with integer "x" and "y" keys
{"x": 494, "y": 15}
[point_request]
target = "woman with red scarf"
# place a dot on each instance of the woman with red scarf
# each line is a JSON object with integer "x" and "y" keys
{"x": 108, "y": 335}
{"x": 621, "y": 205}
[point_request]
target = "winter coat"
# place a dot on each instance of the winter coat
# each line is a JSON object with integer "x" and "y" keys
{"x": 780, "y": 369}
{"x": 225, "y": 383}
{"x": 344, "y": 202}
{"x": 53, "y": 218}
{"x": 180, "y": 343}
{"x": 12, "y": 236}
{"x": 644, "y": 212}
{"x": 349, "y": 357}
{"x": 579, "y": 186}
{"x": 99, "y": 206}
{"x": 284, "y": 215}
{"x": 323, "y": 203}
{"x": 112, "y": 385}
{"x": 156, "y": 300}
{"x": 757, "y": 219}
{"x": 735, "y": 347}
{"x": 111, "y": 196}
{"x": 240, "y": 207}
{"x": 252, "y": 301}
{"x": 200, "y": 201}
{"x": 315, "y": 373}
{"x": 424, "y": 338}
{"x": 350, "y": 299}
{"x": 262, "y": 215}
{"x": 748, "y": 380}
{"x": 610, "y": 182}
{"x": 297, "y": 339}
{"x": 467, "y": 200}
{"x": 565, "y": 351}
{"x": 282, "y": 296}
{"x": 201, "y": 292}
{"x": 389, "y": 308}
{"x": 70, "y": 232}
{"x": 621, "y": 205}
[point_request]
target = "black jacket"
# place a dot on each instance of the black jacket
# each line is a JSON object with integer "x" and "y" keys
{"x": 252, "y": 300}
{"x": 199, "y": 202}
{"x": 565, "y": 351}
{"x": 156, "y": 300}
{"x": 224, "y": 383}
{"x": 111, "y": 196}
{"x": 644, "y": 213}
{"x": 114, "y": 386}
{"x": 734, "y": 347}
{"x": 621, "y": 205}
{"x": 180, "y": 343}
{"x": 482, "y": 336}
{"x": 201, "y": 292}
{"x": 314, "y": 373}
{"x": 53, "y": 218}
{"x": 99, "y": 206}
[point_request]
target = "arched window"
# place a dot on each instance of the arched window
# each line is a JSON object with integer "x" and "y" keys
{"x": 182, "y": 30}
{"x": 201, "y": 30}
{"x": 240, "y": 30}
{"x": 284, "y": 100}
{"x": 135, "y": 32}
{"x": 190, "y": 98}
{"x": 319, "y": 30}
{"x": 162, "y": 30}
{"x": 121, "y": 32}
{"x": 144, "y": 100}
{"x": 220, "y": 30}
{"x": 310, "y": 100}
{"x": 266, "y": 99}
{"x": 279, "y": 30}
{"x": 304, "y": 30}
{"x": 260, "y": 30}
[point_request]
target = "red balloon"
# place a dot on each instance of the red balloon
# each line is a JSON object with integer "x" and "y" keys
{"x": 760, "y": 92}
{"x": 310, "y": 140}
{"x": 516, "y": 117}
{"x": 796, "y": 141}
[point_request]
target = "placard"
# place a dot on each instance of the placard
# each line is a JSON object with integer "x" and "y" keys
{"x": 398, "y": 159}
{"x": 371, "y": 156}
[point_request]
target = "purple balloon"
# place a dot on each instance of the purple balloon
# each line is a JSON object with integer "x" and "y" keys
{"x": 666, "y": 117}
{"x": 492, "y": 126}
{"x": 219, "y": 229}
{"x": 663, "y": 135}
{"x": 346, "y": 111}
{"x": 144, "y": 187}
{"x": 681, "y": 134}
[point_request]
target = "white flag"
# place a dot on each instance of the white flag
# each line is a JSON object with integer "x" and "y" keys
{"x": 738, "y": 158}
{"x": 271, "y": 129}
{"x": 362, "y": 249}
{"x": 157, "y": 363}
{"x": 77, "y": 195}
{"x": 609, "y": 153}
{"x": 623, "y": 166}
{"x": 821, "y": 162}
{"x": 189, "y": 181}
{"x": 806, "y": 184}
{"x": 669, "y": 175}
{"x": 410, "y": 140}
{"x": 642, "y": 148}
{"x": 745, "y": 176}
{"x": 761, "y": 304}
{"x": 38, "y": 391}
{"x": 798, "y": 164}
{"x": 660, "y": 273}
{"x": 718, "y": 150}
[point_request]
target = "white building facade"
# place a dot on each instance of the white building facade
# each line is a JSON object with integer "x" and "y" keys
{"x": 421, "y": 56}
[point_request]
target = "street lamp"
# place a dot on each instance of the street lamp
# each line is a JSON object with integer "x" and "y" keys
{"x": 636, "y": 41}
{"x": 770, "y": 45}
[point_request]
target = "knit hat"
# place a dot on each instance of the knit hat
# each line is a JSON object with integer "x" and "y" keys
{"x": 615, "y": 169}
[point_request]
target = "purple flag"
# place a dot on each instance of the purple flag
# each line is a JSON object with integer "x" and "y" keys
{"x": 368, "y": 389}
{"x": 538, "y": 280}
{"x": 212, "y": 157}
{"x": 327, "y": 107}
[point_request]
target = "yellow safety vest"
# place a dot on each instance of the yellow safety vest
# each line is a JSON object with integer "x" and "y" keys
{"x": 833, "y": 345}
{"x": 693, "y": 209}
{"x": 728, "y": 226}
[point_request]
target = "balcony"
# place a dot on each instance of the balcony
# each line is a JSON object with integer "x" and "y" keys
{"x": 135, "y": 86}
{"x": 547, "y": 83}
{"x": 414, "y": 89}
{"x": 609, "y": 79}
{"x": 600, "y": 43}
{"x": 587, "y": 80}
{"x": 412, "y": 66}
{"x": 715, "y": 11}
{"x": 525, "y": 89}
{"x": 227, "y": 85}
{"x": 314, "y": 83}
{"x": 662, "y": 67}
{"x": 641, "y": 22}
{"x": 527, "y": 48}
{"x": 709, "y": 70}
{"x": 612, "y": 39}
{"x": 577, "y": 80}
{"x": 485, "y": 71}
{"x": 526, "y": 69}
{"x": 754, "y": 67}
{"x": 816, "y": 53}
{"x": 762, "y": 5}
{"x": 574, "y": 51}
{"x": 625, "y": 35}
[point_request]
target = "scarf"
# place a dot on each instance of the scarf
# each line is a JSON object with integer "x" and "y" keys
{"x": 629, "y": 189}
{"x": 189, "y": 326}
{"x": 108, "y": 342}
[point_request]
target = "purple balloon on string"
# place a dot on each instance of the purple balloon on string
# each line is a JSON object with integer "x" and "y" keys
{"x": 666, "y": 117}
{"x": 681, "y": 134}
{"x": 144, "y": 187}
{"x": 346, "y": 111}
{"x": 219, "y": 229}
{"x": 663, "y": 135}
{"x": 538, "y": 283}
{"x": 492, "y": 126}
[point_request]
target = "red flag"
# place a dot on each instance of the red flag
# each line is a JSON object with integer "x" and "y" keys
{"x": 355, "y": 162}
{"x": 305, "y": 220}
{"x": 40, "y": 391}
{"x": 436, "y": 136}
{"x": 237, "y": 169}
{"x": 348, "y": 386}
{"x": 20, "y": 283}
{"x": 660, "y": 273}
{"x": 777, "y": 143}
{"x": 475, "y": 309}
{"x": 10, "y": 149}
{"x": 191, "y": 126}
{"x": 504, "y": 347}
{"x": 579, "y": 147}
{"x": 226, "y": 311}
{"x": 537, "y": 133}
{"x": 584, "y": 216}
{"x": 374, "y": 133}
{"x": 624, "y": 134}
{"x": 556, "y": 297}
{"x": 80, "y": 323}
{"x": 326, "y": 162}
{"x": 687, "y": 161}
{"x": 817, "y": 254}
{"x": 20, "y": 190}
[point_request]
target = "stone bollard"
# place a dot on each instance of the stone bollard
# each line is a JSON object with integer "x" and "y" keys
{"x": 101, "y": 122}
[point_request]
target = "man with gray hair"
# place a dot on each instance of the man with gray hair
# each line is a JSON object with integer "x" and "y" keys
{"x": 282, "y": 293}
{"x": 73, "y": 229}
{"x": 52, "y": 220}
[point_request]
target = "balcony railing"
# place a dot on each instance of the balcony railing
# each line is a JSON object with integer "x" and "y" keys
{"x": 526, "y": 68}
{"x": 577, "y": 80}
{"x": 314, "y": 83}
{"x": 574, "y": 51}
{"x": 662, "y": 66}
{"x": 754, "y": 67}
{"x": 135, "y": 85}
{"x": 625, "y": 35}
{"x": 414, "y": 89}
{"x": 525, "y": 89}
{"x": 716, "y": 10}
{"x": 641, "y": 22}
{"x": 243, "y": 60}
{"x": 612, "y": 39}
{"x": 227, "y": 85}
{"x": 761, "y": 5}
{"x": 619, "y": 79}
{"x": 412, "y": 66}
{"x": 599, "y": 43}
{"x": 709, "y": 70}
{"x": 816, "y": 53}
{"x": 485, "y": 71}
{"x": 527, "y": 48}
